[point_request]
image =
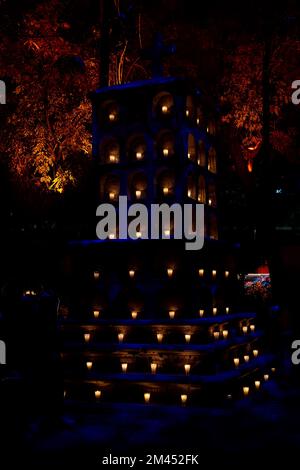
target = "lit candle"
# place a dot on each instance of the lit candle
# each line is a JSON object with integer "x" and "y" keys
{"x": 97, "y": 394}
{"x": 189, "y": 155}
{"x": 189, "y": 193}
{"x": 252, "y": 327}
{"x": 89, "y": 365}
{"x": 201, "y": 272}
{"x": 198, "y": 121}
{"x": 187, "y": 368}
{"x": 236, "y": 361}
{"x": 257, "y": 384}
{"x": 153, "y": 367}
{"x": 165, "y": 190}
{"x": 216, "y": 334}
{"x": 111, "y": 236}
{"x": 273, "y": 369}
{"x": 187, "y": 338}
{"x": 139, "y": 155}
{"x": 112, "y": 158}
{"x": 120, "y": 337}
{"x": 96, "y": 313}
{"x": 209, "y": 202}
{"x": 245, "y": 329}
{"x": 225, "y": 334}
{"x": 131, "y": 273}
{"x": 164, "y": 109}
{"x": 147, "y": 397}
{"x": 96, "y": 275}
{"x": 215, "y": 311}
{"x": 112, "y": 195}
{"x": 227, "y": 310}
{"x": 138, "y": 234}
{"x": 87, "y": 337}
{"x": 170, "y": 272}
{"x": 255, "y": 352}
{"x": 226, "y": 273}
{"x": 246, "y": 391}
{"x": 138, "y": 193}
{"x": 65, "y": 393}
{"x": 266, "y": 377}
{"x": 134, "y": 314}
{"x": 159, "y": 337}
{"x": 183, "y": 399}
{"x": 201, "y": 312}
{"x": 214, "y": 273}
{"x": 124, "y": 367}
{"x": 187, "y": 112}
{"x": 167, "y": 233}
{"x": 172, "y": 314}
{"x": 165, "y": 152}
{"x": 246, "y": 358}
{"x": 111, "y": 116}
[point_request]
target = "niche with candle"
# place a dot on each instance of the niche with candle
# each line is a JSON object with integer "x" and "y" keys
{"x": 110, "y": 187}
{"x": 136, "y": 148}
{"x": 163, "y": 105}
{"x": 165, "y": 184}
{"x": 201, "y": 155}
{"x": 189, "y": 108}
{"x": 110, "y": 151}
{"x": 138, "y": 186}
{"x": 212, "y": 160}
{"x": 201, "y": 189}
{"x": 191, "y": 185}
{"x": 212, "y": 195}
{"x": 165, "y": 145}
{"x": 191, "y": 148}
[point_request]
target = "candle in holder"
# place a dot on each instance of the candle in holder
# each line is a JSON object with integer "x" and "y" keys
{"x": 255, "y": 352}
{"x": 252, "y": 327}
{"x": 111, "y": 236}
{"x": 273, "y": 369}
{"x": 147, "y": 397}
{"x": 227, "y": 310}
{"x": 166, "y": 190}
{"x": 131, "y": 273}
{"x": 257, "y": 384}
{"x": 112, "y": 116}
{"x": 187, "y": 112}
{"x": 89, "y": 365}
{"x": 214, "y": 273}
{"x": 138, "y": 193}
{"x": 164, "y": 109}
{"x": 236, "y": 361}
{"x": 183, "y": 398}
{"x": 159, "y": 337}
{"x": 97, "y": 394}
{"x": 245, "y": 329}
{"x": 167, "y": 233}
{"x": 215, "y": 310}
{"x": 246, "y": 358}
{"x": 187, "y": 368}
{"x": 165, "y": 152}
{"x": 225, "y": 334}
{"x": 138, "y": 234}
{"x": 124, "y": 367}
{"x": 112, "y": 158}
{"x": 120, "y": 337}
{"x": 216, "y": 334}
{"x": 201, "y": 272}
{"x": 96, "y": 275}
{"x": 134, "y": 314}
{"x": 153, "y": 367}
{"x": 139, "y": 155}
{"x": 226, "y": 273}
{"x": 246, "y": 391}
{"x": 187, "y": 338}
{"x": 87, "y": 337}
{"x": 112, "y": 195}
{"x": 170, "y": 272}
{"x": 266, "y": 377}
{"x": 201, "y": 312}
{"x": 172, "y": 314}
{"x": 96, "y": 313}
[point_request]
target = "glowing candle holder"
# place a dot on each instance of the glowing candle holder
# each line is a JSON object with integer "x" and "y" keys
{"x": 209, "y": 202}
{"x": 187, "y": 338}
{"x": 124, "y": 366}
{"x": 227, "y": 309}
{"x": 189, "y": 193}
{"x": 255, "y": 352}
{"x": 112, "y": 195}
{"x": 215, "y": 310}
{"x": 165, "y": 152}
{"x": 236, "y": 361}
{"x": 198, "y": 121}
{"x": 214, "y": 273}
{"x": 147, "y": 396}
{"x": 201, "y": 272}
{"x": 273, "y": 370}
{"x": 96, "y": 313}
{"x": 65, "y": 393}
{"x": 266, "y": 377}
{"x": 216, "y": 334}
{"x": 164, "y": 109}
{"x": 96, "y": 275}
{"x": 246, "y": 358}
{"x": 257, "y": 384}
{"x": 167, "y": 233}
{"x": 225, "y": 334}
{"x": 187, "y": 112}
{"x": 134, "y": 314}
{"x": 165, "y": 190}
{"x": 187, "y": 368}
{"x": 170, "y": 272}
{"x": 246, "y": 391}
{"x": 159, "y": 337}
{"x": 138, "y": 234}
{"x": 245, "y": 329}
{"x": 138, "y": 194}
{"x": 201, "y": 312}
{"x": 120, "y": 337}
{"x": 189, "y": 155}
{"x": 87, "y": 337}
{"x": 112, "y": 117}
{"x": 226, "y": 273}
{"x": 183, "y": 398}
{"x": 111, "y": 236}
{"x": 139, "y": 155}
{"x": 98, "y": 394}
{"x": 252, "y": 328}
{"x": 89, "y": 365}
{"x": 172, "y": 314}
{"x": 131, "y": 273}
{"x": 153, "y": 367}
{"x": 112, "y": 158}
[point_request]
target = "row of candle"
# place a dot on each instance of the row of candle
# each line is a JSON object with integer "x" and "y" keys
{"x": 257, "y": 383}
{"x": 172, "y": 313}
{"x": 147, "y": 396}
{"x": 246, "y": 357}
{"x": 170, "y": 271}
{"x": 153, "y": 367}
{"x": 166, "y": 191}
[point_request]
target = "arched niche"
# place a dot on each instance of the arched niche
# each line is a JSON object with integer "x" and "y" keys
{"x": 212, "y": 194}
{"x": 201, "y": 154}
{"x": 138, "y": 185}
{"x": 201, "y": 189}
{"x": 191, "y": 185}
{"x": 165, "y": 144}
{"x": 191, "y": 150}
{"x": 165, "y": 183}
{"x": 212, "y": 160}
{"x": 110, "y": 187}
{"x": 163, "y": 105}
{"x": 136, "y": 147}
{"x": 189, "y": 107}
{"x": 110, "y": 151}
{"x": 110, "y": 112}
